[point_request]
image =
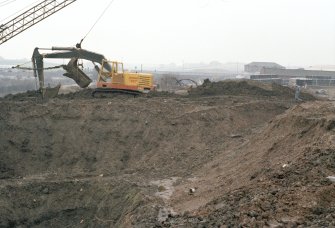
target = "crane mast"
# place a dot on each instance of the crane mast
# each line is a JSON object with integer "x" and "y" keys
{"x": 31, "y": 17}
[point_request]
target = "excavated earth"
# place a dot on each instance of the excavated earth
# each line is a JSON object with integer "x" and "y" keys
{"x": 233, "y": 153}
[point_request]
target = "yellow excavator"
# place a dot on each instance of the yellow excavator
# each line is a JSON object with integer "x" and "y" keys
{"x": 112, "y": 77}
{"x": 117, "y": 80}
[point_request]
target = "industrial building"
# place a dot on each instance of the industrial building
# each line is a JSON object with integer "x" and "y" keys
{"x": 272, "y": 72}
{"x": 296, "y": 76}
{"x": 256, "y": 67}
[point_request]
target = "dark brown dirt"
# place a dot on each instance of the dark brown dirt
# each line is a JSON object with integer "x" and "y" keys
{"x": 255, "y": 159}
{"x": 247, "y": 88}
{"x": 278, "y": 178}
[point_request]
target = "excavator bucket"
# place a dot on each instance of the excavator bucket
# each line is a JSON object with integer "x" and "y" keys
{"x": 72, "y": 71}
{"x": 50, "y": 92}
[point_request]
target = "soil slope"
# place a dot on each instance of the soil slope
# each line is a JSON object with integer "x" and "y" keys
{"x": 254, "y": 158}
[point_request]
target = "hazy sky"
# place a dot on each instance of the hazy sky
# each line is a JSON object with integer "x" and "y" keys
{"x": 290, "y": 32}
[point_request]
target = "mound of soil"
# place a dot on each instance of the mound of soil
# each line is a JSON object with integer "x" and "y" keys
{"x": 37, "y": 96}
{"x": 280, "y": 175}
{"x": 29, "y": 95}
{"x": 81, "y": 94}
{"x": 246, "y": 87}
{"x": 130, "y": 162}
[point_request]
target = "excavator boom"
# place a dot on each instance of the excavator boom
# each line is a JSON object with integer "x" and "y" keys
{"x": 72, "y": 70}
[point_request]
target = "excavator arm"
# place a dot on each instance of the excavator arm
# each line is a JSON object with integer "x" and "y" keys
{"x": 72, "y": 69}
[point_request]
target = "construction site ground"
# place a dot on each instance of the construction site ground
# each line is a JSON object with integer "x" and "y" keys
{"x": 229, "y": 154}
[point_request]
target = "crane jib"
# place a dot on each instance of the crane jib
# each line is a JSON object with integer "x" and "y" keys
{"x": 30, "y": 17}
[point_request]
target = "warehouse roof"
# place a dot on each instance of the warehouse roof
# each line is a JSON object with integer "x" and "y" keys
{"x": 298, "y": 72}
{"x": 266, "y": 64}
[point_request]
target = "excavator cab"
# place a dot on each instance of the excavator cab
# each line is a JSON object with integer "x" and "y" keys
{"x": 107, "y": 76}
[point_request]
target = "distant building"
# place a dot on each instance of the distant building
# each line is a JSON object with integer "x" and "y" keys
{"x": 299, "y": 76}
{"x": 293, "y": 73}
{"x": 256, "y": 67}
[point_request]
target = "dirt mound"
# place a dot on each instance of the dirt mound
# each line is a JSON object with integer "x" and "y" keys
{"x": 80, "y": 94}
{"x": 29, "y": 95}
{"x": 125, "y": 132}
{"x": 246, "y": 87}
{"x": 281, "y": 173}
{"x": 36, "y": 95}
{"x": 129, "y": 162}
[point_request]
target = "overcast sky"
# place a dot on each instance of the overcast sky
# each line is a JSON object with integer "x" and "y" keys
{"x": 290, "y": 32}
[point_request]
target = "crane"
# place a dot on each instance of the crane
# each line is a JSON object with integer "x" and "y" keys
{"x": 31, "y": 17}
